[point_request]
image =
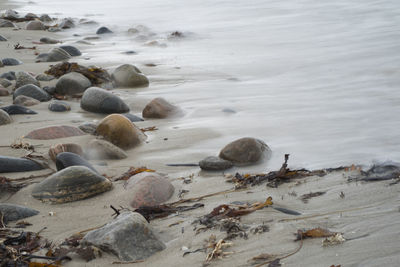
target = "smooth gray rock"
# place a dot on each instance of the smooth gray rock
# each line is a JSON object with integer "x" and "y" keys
{"x": 72, "y": 50}
{"x": 17, "y": 109}
{"x": 72, "y": 83}
{"x": 25, "y": 101}
{"x": 6, "y": 24}
{"x": 51, "y": 90}
{"x": 101, "y": 101}
{"x": 129, "y": 76}
{"x": 215, "y": 164}
{"x": 13, "y": 212}
{"x": 23, "y": 78}
{"x": 132, "y": 118}
{"x": 47, "y": 40}
{"x": 8, "y": 75}
{"x": 71, "y": 184}
{"x": 68, "y": 159}
{"x": 11, "y": 14}
{"x": 59, "y": 106}
{"x": 56, "y": 54}
{"x": 35, "y": 25}
{"x": 11, "y": 62}
{"x": 3, "y": 39}
{"x": 88, "y": 127}
{"x": 245, "y": 151}
{"x": 103, "y": 30}
{"x": 4, "y": 117}
{"x": 31, "y": 16}
{"x": 11, "y": 164}
{"x": 4, "y": 82}
{"x": 33, "y": 91}
{"x": 101, "y": 149}
{"x": 44, "y": 77}
{"x": 45, "y": 18}
{"x": 67, "y": 24}
{"x": 129, "y": 237}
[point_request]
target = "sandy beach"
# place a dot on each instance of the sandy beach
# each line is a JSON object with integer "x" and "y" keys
{"x": 366, "y": 213}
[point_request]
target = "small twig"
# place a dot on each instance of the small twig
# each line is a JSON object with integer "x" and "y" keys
{"x": 127, "y": 262}
{"x": 117, "y": 213}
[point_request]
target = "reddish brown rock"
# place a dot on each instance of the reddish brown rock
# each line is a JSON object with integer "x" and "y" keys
{"x": 120, "y": 131}
{"x": 159, "y": 108}
{"x": 4, "y": 91}
{"x": 245, "y": 151}
{"x": 57, "y": 149}
{"x": 149, "y": 189}
{"x": 54, "y": 132}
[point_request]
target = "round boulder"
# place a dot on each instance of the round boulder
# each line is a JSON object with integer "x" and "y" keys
{"x": 215, "y": 164}
{"x": 103, "y": 30}
{"x": 67, "y": 24}
{"x": 120, "y": 131}
{"x": 72, "y": 83}
{"x": 245, "y": 151}
{"x": 33, "y": 91}
{"x": 23, "y": 78}
{"x": 68, "y": 159}
{"x": 129, "y": 76}
{"x": 4, "y": 91}
{"x": 25, "y": 101}
{"x": 59, "y": 148}
{"x": 35, "y": 25}
{"x": 4, "y": 117}
{"x": 101, "y": 149}
{"x": 7, "y": 24}
{"x": 45, "y": 18}
{"x": 47, "y": 40}
{"x": 149, "y": 189}
{"x": 159, "y": 108}
{"x": 71, "y": 184}
{"x": 101, "y": 101}
{"x": 59, "y": 106}
{"x": 72, "y": 50}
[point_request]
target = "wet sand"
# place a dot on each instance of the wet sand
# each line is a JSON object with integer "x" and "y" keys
{"x": 368, "y": 210}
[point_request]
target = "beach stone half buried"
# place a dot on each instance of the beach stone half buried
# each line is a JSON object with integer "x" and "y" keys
{"x": 68, "y": 159}
{"x": 59, "y": 106}
{"x": 72, "y": 50}
{"x": 13, "y": 212}
{"x": 35, "y": 25}
{"x": 5, "y": 82}
{"x": 88, "y": 127}
{"x": 71, "y": 184}
{"x": 48, "y": 40}
{"x": 101, "y": 149}
{"x": 4, "y": 91}
{"x": 132, "y": 118}
{"x": 149, "y": 189}
{"x": 7, "y": 24}
{"x": 54, "y": 132}
{"x": 33, "y": 91}
{"x": 11, "y": 164}
{"x": 3, "y": 39}
{"x": 101, "y": 101}
{"x": 159, "y": 108}
{"x": 245, "y": 151}
{"x": 4, "y": 117}
{"x": 72, "y": 83}
{"x": 17, "y": 109}
{"x": 24, "y": 78}
{"x": 10, "y": 76}
{"x": 11, "y": 62}
{"x": 55, "y": 54}
{"x": 103, "y": 30}
{"x": 129, "y": 237}
{"x": 120, "y": 131}
{"x": 129, "y": 76}
{"x": 59, "y": 148}
{"x": 25, "y": 101}
{"x": 215, "y": 164}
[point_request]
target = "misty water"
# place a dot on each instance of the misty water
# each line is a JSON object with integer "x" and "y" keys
{"x": 316, "y": 79}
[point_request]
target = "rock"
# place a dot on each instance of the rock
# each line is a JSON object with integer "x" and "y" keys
{"x": 4, "y": 118}
{"x": 149, "y": 189}
{"x": 11, "y": 14}
{"x": 54, "y": 132}
{"x": 25, "y": 101}
{"x": 2, "y": 38}
{"x": 33, "y": 91}
{"x": 5, "y": 82}
{"x": 45, "y": 18}
{"x": 129, "y": 76}
{"x": 101, "y": 149}
{"x": 11, "y": 164}
{"x": 11, "y": 62}
{"x": 47, "y": 40}
{"x": 68, "y": 159}
{"x": 133, "y": 31}
{"x": 31, "y": 16}
{"x": 245, "y": 151}
{"x": 129, "y": 237}
{"x": 215, "y": 164}
{"x": 88, "y": 22}
{"x": 59, "y": 148}
{"x": 45, "y": 77}
{"x": 24, "y": 78}
{"x": 4, "y": 92}
{"x": 7, "y": 24}
{"x": 67, "y": 24}
{"x": 130, "y": 52}
{"x": 10, "y": 76}
{"x": 88, "y": 127}
{"x": 1, "y": 64}
{"x": 132, "y": 118}
{"x": 59, "y": 106}
{"x": 101, "y": 101}
{"x": 51, "y": 90}
{"x": 55, "y": 54}
{"x": 35, "y": 25}
{"x": 72, "y": 83}
{"x": 103, "y": 30}
{"x": 71, "y": 184}
{"x": 13, "y": 212}
{"x": 72, "y": 50}
{"x": 159, "y": 108}
{"x": 17, "y": 109}
{"x": 120, "y": 131}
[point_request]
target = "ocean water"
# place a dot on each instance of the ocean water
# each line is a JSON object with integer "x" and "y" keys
{"x": 319, "y": 80}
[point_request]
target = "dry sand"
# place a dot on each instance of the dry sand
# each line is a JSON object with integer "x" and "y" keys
{"x": 368, "y": 210}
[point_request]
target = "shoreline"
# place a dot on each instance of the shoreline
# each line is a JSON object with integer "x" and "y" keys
{"x": 377, "y": 201}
